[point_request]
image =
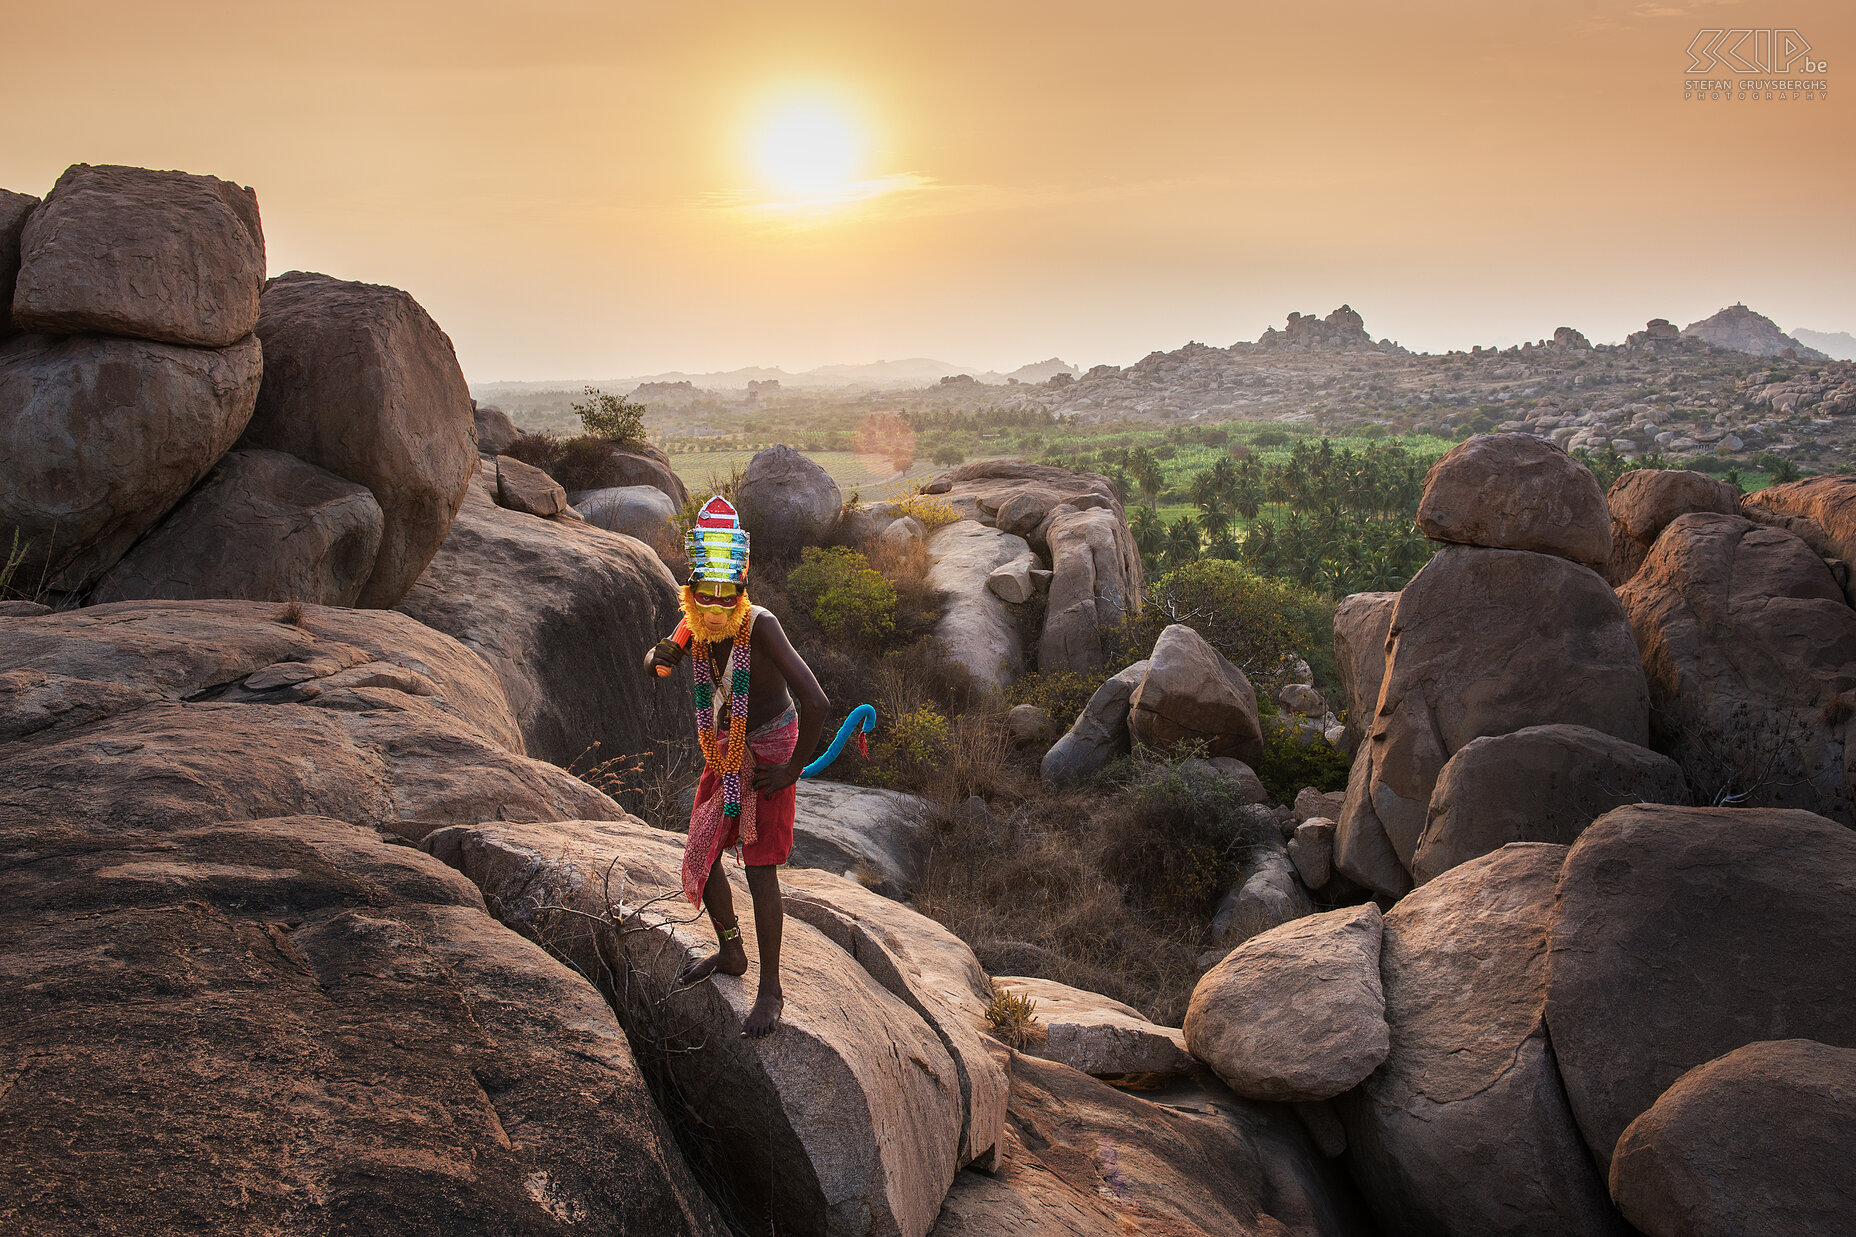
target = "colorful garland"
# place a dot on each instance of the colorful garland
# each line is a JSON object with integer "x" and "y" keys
{"x": 727, "y": 764}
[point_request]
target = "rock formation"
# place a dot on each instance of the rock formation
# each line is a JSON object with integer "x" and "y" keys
{"x": 1192, "y": 692}
{"x": 1099, "y": 733}
{"x": 1362, "y": 622}
{"x": 1092, "y": 1033}
{"x": 976, "y": 630}
{"x": 1516, "y": 492}
{"x": 1644, "y": 501}
{"x": 788, "y": 502}
{"x": 1821, "y": 510}
{"x": 14, "y": 210}
{"x": 360, "y": 381}
{"x": 1743, "y": 330}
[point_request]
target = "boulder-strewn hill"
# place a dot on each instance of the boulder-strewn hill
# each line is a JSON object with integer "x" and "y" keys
{"x": 1739, "y": 329}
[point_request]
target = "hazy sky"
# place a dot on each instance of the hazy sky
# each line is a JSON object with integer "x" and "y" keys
{"x": 601, "y": 189}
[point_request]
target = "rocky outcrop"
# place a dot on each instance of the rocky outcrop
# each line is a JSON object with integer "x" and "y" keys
{"x": 870, "y": 835}
{"x": 1465, "y": 1129}
{"x": 496, "y": 433}
{"x": 1644, "y": 501}
{"x": 1484, "y": 642}
{"x": 14, "y": 209}
{"x": 152, "y": 715}
{"x": 360, "y": 381}
{"x": 854, "y": 1107}
{"x": 1095, "y": 583}
{"x": 1075, "y": 521}
{"x": 976, "y": 630}
{"x": 164, "y": 256}
{"x": 1821, "y": 510}
{"x": 1084, "y": 1159}
{"x": 526, "y": 488}
{"x": 1363, "y": 623}
{"x": 103, "y": 436}
{"x": 1743, "y": 330}
{"x": 1096, "y": 1034}
{"x": 1099, "y": 733}
{"x": 263, "y": 526}
{"x": 1311, "y": 850}
{"x": 1296, "y": 1013}
{"x": 563, "y": 613}
{"x": 931, "y": 971}
{"x": 1516, "y": 492}
{"x": 1191, "y": 692}
{"x": 291, "y": 1025}
{"x": 788, "y": 502}
{"x": 1538, "y": 784}
{"x": 1363, "y": 852}
{"x": 1748, "y": 646}
{"x": 641, "y": 511}
{"x": 1755, "y": 1141}
{"x": 1341, "y": 330}
{"x": 1268, "y": 893}
{"x": 1682, "y": 934}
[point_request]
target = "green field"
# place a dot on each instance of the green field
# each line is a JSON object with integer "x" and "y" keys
{"x": 870, "y": 478}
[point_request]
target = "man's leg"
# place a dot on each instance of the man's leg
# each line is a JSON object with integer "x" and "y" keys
{"x": 769, "y": 914}
{"x": 731, "y": 958}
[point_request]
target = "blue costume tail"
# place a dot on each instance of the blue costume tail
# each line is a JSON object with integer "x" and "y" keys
{"x": 863, "y": 718}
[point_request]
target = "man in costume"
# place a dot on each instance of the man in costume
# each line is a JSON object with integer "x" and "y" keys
{"x": 759, "y": 711}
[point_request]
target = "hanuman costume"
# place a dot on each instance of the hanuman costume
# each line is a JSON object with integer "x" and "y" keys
{"x": 728, "y": 812}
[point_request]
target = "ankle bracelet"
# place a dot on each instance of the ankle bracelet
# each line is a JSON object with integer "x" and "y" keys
{"x": 728, "y": 934}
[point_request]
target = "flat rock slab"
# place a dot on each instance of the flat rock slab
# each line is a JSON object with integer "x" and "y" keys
{"x": 1756, "y": 1141}
{"x": 359, "y": 380}
{"x": 1097, "y": 1034}
{"x": 1684, "y": 933}
{"x": 150, "y": 715}
{"x": 103, "y": 436}
{"x": 853, "y": 1106}
{"x": 1465, "y": 1129}
{"x": 563, "y": 613}
{"x": 1087, "y": 1160}
{"x": 1516, "y": 492}
{"x": 1537, "y": 784}
{"x": 156, "y": 255}
{"x": 263, "y": 526}
{"x": 292, "y": 1026}
{"x": 1297, "y": 1013}
{"x": 859, "y": 830}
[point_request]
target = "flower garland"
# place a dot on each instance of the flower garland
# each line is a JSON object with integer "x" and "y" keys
{"x": 727, "y": 762}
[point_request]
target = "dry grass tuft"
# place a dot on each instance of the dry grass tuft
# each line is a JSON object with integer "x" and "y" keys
{"x": 1014, "y": 1019}
{"x": 292, "y": 614}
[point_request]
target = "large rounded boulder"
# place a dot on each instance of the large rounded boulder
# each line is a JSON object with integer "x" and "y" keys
{"x": 1191, "y": 692}
{"x": 1538, "y": 784}
{"x": 1645, "y": 501}
{"x": 1484, "y": 642}
{"x": 263, "y": 526}
{"x": 1821, "y": 509}
{"x": 1682, "y": 934}
{"x": 14, "y": 210}
{"x": 1099, "y": 733}
{"x": 360, "y": 381}
{"x": 154, "y": 255}
{"x": 1757, "y": 1141}
{"x": 1750, "y": 653}
{"x": 102, "y": 436}
{"x": 788, "y": 502}
{"x": 1516, "y": 492}
{"x": 1296, "y": 1013}
{"x": 1464, "y": 1131}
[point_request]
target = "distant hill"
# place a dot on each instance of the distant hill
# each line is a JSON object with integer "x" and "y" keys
{"x": 1744, "y": 330}
{"x": 1840, "y": 345}
{"x": 908, "y": 373}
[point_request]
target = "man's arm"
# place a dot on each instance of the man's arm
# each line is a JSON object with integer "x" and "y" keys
{"x": 770, "y": 637}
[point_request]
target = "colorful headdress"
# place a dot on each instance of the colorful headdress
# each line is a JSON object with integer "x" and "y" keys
{"x": 718, "y": 545}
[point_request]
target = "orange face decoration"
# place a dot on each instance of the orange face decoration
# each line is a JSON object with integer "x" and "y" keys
{"x": 714, "y": 611}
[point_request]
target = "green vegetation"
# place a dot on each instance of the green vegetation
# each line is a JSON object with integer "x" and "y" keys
{"x": 846, "y": 597}
{"x": 609, "y": 417}
{"x": 1289, "y": 764}
{"x": 1257, "y": 622}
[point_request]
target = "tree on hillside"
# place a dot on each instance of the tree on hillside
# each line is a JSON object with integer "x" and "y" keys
{"x": 1146, "y": 472}
{"x": 609, "y": 417}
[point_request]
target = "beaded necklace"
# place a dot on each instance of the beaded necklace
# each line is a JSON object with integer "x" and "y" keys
{"x": 727, "y": 764}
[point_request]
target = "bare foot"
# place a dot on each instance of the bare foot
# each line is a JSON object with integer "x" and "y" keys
{"x": 730, "y": 959}
{"x": 765, "y": 1015}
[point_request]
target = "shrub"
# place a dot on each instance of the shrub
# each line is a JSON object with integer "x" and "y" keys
{"x": 1289, "y": 764}
{"x": 1255, "y": 621}
{"x": 1178, "y": 836}
{"x": 933, "y": 512}
{"x": 610, "y": 418}
{"x": 1061, "y": 694}
{"x": 849, "y": 599}
{"x": 1014, "y": 1019}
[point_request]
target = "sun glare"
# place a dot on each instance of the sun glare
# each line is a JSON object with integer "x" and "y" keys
{"x": 808, "y": 149}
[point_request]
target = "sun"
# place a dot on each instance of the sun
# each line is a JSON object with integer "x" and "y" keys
{"x": 808, "y": 148}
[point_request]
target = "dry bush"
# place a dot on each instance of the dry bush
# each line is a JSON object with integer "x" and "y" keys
{"x": 918, "y": 603}
{"x": 292, "y": 614}
{"x": 1014, "y": 1019}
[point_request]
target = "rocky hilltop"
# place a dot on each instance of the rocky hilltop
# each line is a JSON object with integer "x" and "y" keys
{"x": 309, "y": 930}
{"x": 1739, "y": 329}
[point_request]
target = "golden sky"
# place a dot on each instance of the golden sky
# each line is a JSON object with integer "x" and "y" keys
{"x": 577, "y": 190}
